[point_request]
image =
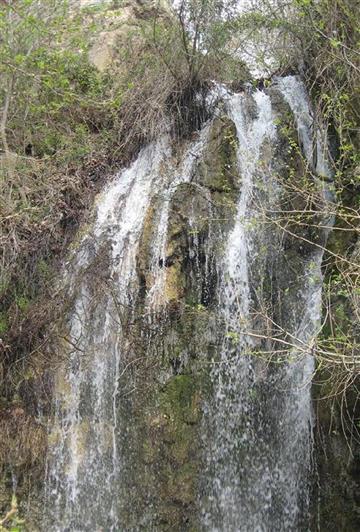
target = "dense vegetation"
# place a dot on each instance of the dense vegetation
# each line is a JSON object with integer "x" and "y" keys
{"x": 55, "y": 133}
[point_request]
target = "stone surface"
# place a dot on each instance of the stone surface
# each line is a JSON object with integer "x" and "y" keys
{"x": 115, "y": 21}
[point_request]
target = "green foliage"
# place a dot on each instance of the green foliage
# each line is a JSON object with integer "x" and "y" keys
{"x": 233, "y": 337}
{"x": 53, "y": 87}
{"x": 57, "y": 116}
{"x": 333, "y": 35}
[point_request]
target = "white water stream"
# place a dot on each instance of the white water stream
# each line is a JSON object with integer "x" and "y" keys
{"x": 258, "y": 435}
{"x": 84, "y": 467}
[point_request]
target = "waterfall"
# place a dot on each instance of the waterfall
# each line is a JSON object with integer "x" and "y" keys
{"x": 260, "y": 419}
{"x": 230, "y": 413}
{"x": 256, "y": 418}
{"x": 84, "y": 467}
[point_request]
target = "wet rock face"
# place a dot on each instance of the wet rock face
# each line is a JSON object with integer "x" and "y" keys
{"x": 219, "y": 169}
{"x": 336, "y": 503}
{"x": 166, "y": 436}
{"x": 334, "y": 500}
{"x": 337, "y": 449}
{"x": 166, "y": 457}
{"x": 201, "y": 211}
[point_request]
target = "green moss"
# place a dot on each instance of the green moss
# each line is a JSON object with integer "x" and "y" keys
{"x": 219, "y": 170}
{"x": 4, "y": 324}
{"x": 22, "y": 302}
{"x": 178, "y": 400}
{"x": 176, "y": 447}
{"x": 79, "y": 237}
{"x": 181, "y": 484}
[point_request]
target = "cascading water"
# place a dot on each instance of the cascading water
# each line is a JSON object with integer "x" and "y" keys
{"x": 182, "y": 175}
{"x": 257, "y": 419}
{"x": 230, "y": 413}
{"x": 84, "y": 468}
{"x": 83, "y": 465}
{"x": 260, "y": 420}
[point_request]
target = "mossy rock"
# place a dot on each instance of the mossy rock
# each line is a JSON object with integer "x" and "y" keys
{"x": 179, "y": 399}
{"x": 219, "y": 169}
{"x": 337, "y": 458}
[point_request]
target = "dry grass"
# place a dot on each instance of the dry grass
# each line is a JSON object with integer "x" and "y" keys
{"x": 23, "y": 440}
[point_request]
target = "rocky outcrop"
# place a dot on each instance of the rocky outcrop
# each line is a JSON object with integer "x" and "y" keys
{"x": 115, "y": 22}
{"x": 165, "y": 436}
